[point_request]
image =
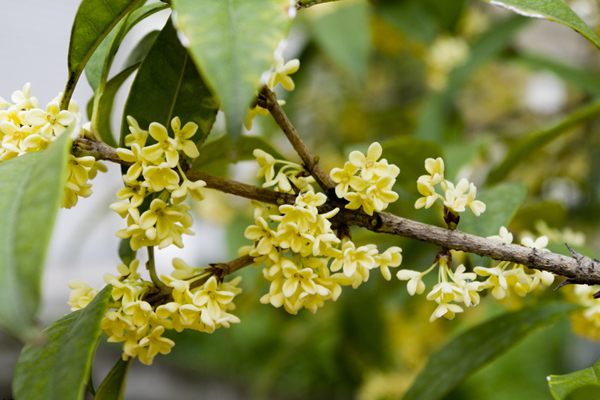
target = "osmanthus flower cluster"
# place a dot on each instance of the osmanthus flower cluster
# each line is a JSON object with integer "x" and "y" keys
{"x": 151, "y": 176}
{"x": 278, "y": 74}
{"x": 456, "y": 198}
{"x": 198, "y": 301}
{"x": 366, "y": 182}
{"x": 26, "y": 128}
{"x": 305, "y": 261}
{"x": 459, "y": 286}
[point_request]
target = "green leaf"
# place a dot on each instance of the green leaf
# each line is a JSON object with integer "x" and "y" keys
{"x": 562, "y": 386}
{"x": 554, "y": 10}
{"x": 31, "y": 189}
{"x": 106, "y": 102}
{"x": 98, "y": 67}
{"x": 502, "y": 203}
{"x": 217, "y": 152}
{"x": 433, "y": 115}
{"x": 232, "y": 42}
{"x": 93, "y": 21}
{"x": 168, "y": 85}
{"x": 409, "y": 154}
{"x": 473, "y": 349}
{"x": 345, "y": 37}
{"x": 107, "y": 98}
{"x": 125, "y": 253}
{"x": 57, "y": 365}
{"x": 521, "y": 150}
{"x": 113, "y": 386}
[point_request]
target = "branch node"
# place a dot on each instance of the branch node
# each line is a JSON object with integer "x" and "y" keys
{"x": 575, "y": 254}
{"x": 568, "y": 281}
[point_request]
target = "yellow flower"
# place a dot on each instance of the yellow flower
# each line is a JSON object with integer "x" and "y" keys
{"x": 212, "y": 298}
{"x": 194, "y": 188}
{"x": 182, "y": 137}
{"x": 161, "y": 177}
{"x": 164, "y": 145}
{"x": 352, "y": 258}
{"x": 282, "y": 71}
{"x": 154, "y": 343}
{"x": 295, "y": 277}
{"x": 345, "y": 179}
{"x": 137, "y": 135}
{"x": 368, "y": 164}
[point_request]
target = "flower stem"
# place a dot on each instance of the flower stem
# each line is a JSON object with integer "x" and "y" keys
{"x": 151, "y": 267}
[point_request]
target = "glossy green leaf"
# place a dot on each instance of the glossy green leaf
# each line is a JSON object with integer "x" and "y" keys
{"x": 93, "y": 22}
{"x": 523, "y": 148}
{"x": 554, "y": 10}
{"x": 232, "y": 42}
{"x": 217, "y": 152}
{"x": 563, "y": 386}
{"x": 113, "y": 386}
{"x": 57, "y": 365}
{"x": 478, "y": 346}
{"x": 168, "y": 85}
{"x": 409, "y": 154}
{"x": 434, "y": 112}
{"x": 31, "y": 190}
{"x": 97, "y": 68}
{"x": 107, "y": 99}
{"x": 106, "y": 102}
{"x": 502, "y": 203}
{"x": 345, "y": 37}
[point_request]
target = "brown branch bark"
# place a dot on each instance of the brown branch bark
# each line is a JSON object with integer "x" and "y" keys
{"x": 101, "y": 151}
{"x": 579, "y": 269}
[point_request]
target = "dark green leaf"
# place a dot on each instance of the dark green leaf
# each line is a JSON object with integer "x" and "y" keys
{"x": 554, "y": 10}
{"x": 141, "y": 49}
{"x": 31, "y": 189}
{"x": 473, "y": 349}
{"x": 113, "y": 386}
{"x": 531, "y": 143}
{"x": 409, "y": 154}
{"x": 93, "y": 21}
{"x": 106, "y": 103}
{"x": 561, "y": 386}
{"x": 98, "y": 67}
{"x": 168, "y": 85}
{"x": 502, "y": 203}
{"x": 433, "y": 114}
{"x": 125, "y": 253}
{"x": 107, "y": 98}
{"x": 232, "y": 43}
{"x": 218, "y": 151}
{"x": 57, "y": 365}
{"x": 345, "y": 37}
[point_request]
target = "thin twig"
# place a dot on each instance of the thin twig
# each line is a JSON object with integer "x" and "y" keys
{"x": 311, "y": 163}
